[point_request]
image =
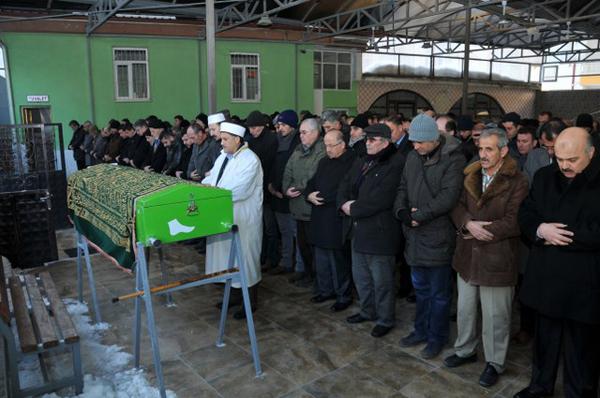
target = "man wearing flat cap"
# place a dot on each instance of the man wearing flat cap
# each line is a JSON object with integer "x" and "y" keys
{"x": 431, "y": 185}
{"x": 238, "y": 169}
{"x": 366, "y": 198}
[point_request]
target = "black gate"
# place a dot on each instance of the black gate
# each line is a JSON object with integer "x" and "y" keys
{"x": 32, "y": 192}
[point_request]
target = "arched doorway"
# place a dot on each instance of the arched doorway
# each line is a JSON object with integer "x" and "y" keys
{"x": 480, "y": 105}
{"x": 406, "y": 102}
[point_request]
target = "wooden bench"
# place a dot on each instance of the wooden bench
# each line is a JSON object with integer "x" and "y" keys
{"x": 42, "y": 325}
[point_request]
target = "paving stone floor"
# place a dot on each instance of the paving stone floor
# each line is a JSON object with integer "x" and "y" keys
{"x": 306, "y": 350}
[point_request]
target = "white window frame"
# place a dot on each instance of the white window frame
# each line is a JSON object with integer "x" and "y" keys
{"x": 244, "y": 85}
{"x": 336, "y": 63}
{"x": 129, "y": 65}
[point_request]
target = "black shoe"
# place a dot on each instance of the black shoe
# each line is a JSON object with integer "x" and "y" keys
{"x": 411, "y": 299}
{"x": 337, "y": 307}
{"x": 403, "y": 293}
{"x": 356, "y": 318}
{"x": 380, "y": 330}
{"x": 412, "y": 340}
{"x": 529, "y": 392}
{"x": 489, "y": 377}
{"x": 319, "y": 298}
{"x": 454, "y": 361}
{"x": 431, "y": 350}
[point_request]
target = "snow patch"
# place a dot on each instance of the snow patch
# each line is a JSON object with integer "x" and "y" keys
{"x": 105, "y": 366}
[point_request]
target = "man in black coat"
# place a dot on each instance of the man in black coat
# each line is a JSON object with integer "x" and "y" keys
{"x": 263, "y": 143}
{"x": 140, "y": 143}
{"x": 561, "y": 218}
{"x": 357, "y": 142}
{"x": 288, "y": 139}
{"x": 157, "y": 155}
{"x": 332, "y": 266}
{"x": 76, "y": 143}
{"x": 366, "y": 197}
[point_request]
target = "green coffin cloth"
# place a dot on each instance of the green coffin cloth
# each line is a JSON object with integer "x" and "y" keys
{"x": 101, "y": 200}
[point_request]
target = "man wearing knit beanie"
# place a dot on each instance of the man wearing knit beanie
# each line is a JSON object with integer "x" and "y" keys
{"x": 431, "y": 183}
{"x": 288, "y": 117}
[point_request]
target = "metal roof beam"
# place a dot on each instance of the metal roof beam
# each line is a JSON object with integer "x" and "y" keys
{"x": 243, "y": 12}
{"x": 102, "y": 11}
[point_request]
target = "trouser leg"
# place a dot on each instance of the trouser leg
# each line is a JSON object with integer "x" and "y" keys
{"x": 364, "y": 284}
{"x": 421, "y": 283}
{"x": 382, "y": 270}
{"x": 271, "y": 237}
{"x": 323, "y": 267}
{"x": 305, "y": 246}
{"x": 582, "y": 359}
{"x": 466, "y": 318}
{"x": 340, "y": 270}
{"x": 441, "y": 298}
{"x": 496, "y": 306}
{"x": 284, "y": 222}
{"x": 546, "y": 353}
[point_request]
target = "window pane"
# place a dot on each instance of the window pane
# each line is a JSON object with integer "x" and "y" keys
{"x": 122, "y": 84}
{"x": 140, "y": 88}
{"x": 344, "y": 58}
{"x": 317, "y": 56}
{"x": 379, "y": 64}
{"x": 252, "y": 91}
{"x": 317, "y": 76}
{"x": 130, "y": 55}
{"x": 236, "y": 83}
{"x": 479, "y": 69}
{"x": 344, "y": 77}
{"x": 414, "y": 65}
{"x": 447, "y": 67}
{"x": 329, "y": 57}
{"x": 329, "y": 76}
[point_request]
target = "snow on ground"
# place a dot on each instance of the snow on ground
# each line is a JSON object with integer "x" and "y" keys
{"x": 106, "y": 367}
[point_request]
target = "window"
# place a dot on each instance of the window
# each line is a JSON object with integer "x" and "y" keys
{"x": 332, "y": 70}
{"x": 5, "y": 95}
{"x": 245, "y": 77}
{"x": 131, "y": 74}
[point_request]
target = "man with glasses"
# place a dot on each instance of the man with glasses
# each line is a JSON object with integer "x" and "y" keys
{"x": 366, "y": 198}
{"x": 299, "y": 169}
{"x": 332, "y": 266}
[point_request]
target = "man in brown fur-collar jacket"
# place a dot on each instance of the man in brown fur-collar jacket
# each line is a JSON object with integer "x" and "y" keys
{"x": 486, "y": 256}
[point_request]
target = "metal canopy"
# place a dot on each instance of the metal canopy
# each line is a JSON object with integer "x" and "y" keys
{"x": 534, "y": 27}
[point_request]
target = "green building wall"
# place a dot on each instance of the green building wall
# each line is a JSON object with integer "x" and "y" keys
{"x": 56, "y": 65}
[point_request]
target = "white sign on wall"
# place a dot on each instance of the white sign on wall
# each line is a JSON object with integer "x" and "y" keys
{"x": 37, "y": 98}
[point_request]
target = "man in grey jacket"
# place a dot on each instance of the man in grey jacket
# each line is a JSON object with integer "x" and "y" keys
{"x": 203, "y": 154}
{"x": 299, "y": 169}
{"x": 430, "y": 187}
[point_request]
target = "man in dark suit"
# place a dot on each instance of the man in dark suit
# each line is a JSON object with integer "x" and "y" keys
{"x": 561, "y": 218}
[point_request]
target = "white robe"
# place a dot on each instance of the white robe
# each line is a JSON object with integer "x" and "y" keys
{"x": 243, "y": 176}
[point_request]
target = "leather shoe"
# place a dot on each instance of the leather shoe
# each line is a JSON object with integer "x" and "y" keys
{"x": 411, "y": 299}
{"x": 337, "y": 307}
{"x": 412, "y": 340}
{"x": 319, "y": 298}
{"x": 489, "y": 377}
{"x": 454, "y": 361}
{"x": 529, "y": 392}
{"x": 356, "y": 318}
{"x": 380, "y": 330}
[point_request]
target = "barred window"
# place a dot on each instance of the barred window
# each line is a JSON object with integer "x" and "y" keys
{"x": 131, "y": 74}
{"x": 332, "y": 70}
{"x": 245, "y": 77}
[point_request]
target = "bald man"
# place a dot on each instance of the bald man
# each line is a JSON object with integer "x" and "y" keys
{"x": 561, "y": 218}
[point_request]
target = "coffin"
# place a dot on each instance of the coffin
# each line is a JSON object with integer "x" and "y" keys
{"x": 114, "y": 207}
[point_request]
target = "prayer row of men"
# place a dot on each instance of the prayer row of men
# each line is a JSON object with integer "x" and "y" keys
{"x": 444, "y": 202}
